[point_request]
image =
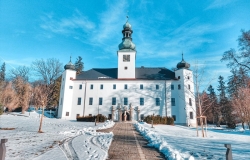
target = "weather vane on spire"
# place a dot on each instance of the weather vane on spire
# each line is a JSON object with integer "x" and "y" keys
{"x": 127, "y": 16}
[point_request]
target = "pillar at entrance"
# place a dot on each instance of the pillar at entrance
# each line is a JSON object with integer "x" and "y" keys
{"x": 119, "y": 112}
{"x": 125, "y": 116}
{"x": 120, "y": 115}
{"x": 113, "y": 113}
{"x": 138, "y": 113}
{"x": 131, "y": 111}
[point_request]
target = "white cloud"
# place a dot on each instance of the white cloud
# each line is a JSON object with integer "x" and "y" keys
{"x": 110, "y": 22}
{"x": 218, "y": 4}
{"x": 66, "y": 25}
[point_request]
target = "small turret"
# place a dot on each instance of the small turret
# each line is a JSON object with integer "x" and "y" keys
{"x": 69, "y": 65}
{"x": 127, "y": 37}
{"x": 183, "y": 64}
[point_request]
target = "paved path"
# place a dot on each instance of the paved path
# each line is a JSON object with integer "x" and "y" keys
{"x": 128, "y": 144}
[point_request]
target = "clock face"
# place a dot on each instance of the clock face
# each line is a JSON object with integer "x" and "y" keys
{"x": 126, "y": 58}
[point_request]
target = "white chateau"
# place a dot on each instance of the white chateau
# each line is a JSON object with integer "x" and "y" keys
{"x": 128, "y": 93}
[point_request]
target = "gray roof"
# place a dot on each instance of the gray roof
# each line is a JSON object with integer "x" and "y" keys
{"x": 143, "y": 73}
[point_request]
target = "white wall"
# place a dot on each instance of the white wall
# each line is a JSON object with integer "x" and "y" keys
{"x": 129, "y": 73}
{"x": 186, "y": 78}
{"x": 133, "y": 93}
{"x": 66, "y": 94}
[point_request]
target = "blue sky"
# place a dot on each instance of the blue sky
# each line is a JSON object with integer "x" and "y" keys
{"x": 163, "y": 29}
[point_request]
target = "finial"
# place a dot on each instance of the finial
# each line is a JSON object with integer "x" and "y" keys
{"x": 127, "y": 16}
{"x": 70, "y": 58}
{"x": 182, "y": 56}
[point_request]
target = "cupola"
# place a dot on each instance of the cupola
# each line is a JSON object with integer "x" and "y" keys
{"x": 183, "y": 64}
{"x": 127, "y": 43}
{"x": 69, "y": 65}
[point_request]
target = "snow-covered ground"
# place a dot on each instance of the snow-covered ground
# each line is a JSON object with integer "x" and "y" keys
{"x": 180, "y": 142}
{"x": 61, "y": 138}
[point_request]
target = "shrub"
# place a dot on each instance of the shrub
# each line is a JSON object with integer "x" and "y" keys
{"x": 170, "y": 120}
{"x": 99, "y": 118}
{"x": 1, "y": 109}
{"x": 159, "y": 120}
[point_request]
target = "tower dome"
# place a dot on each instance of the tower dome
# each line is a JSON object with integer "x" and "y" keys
{"x": 127, "y": 25}
{"x": 69, "y": 65}
{"x": 183, "y": 64}
{"x": 127, "y": 43}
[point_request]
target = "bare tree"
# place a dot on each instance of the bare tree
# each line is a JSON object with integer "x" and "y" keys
{"x": 203, "y": 103}
{"x": 23, "y": 90}
{"x": 241, "y": 105}
{"x": 48, "y": 70}
{"x": 21, "y": 71}
{"x": 41, "y": 97}
{"x": 8, "y": 97}
{"x": 242, "y": 58}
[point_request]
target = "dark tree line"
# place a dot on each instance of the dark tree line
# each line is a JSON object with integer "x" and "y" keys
{"x": 232, "y": 104}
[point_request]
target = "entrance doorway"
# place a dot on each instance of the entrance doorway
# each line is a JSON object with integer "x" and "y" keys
{"x": 127, "y": 116}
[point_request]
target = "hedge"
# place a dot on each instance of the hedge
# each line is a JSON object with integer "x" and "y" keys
{"x": 159, "y": 120}
{"x": 99, "y": 118}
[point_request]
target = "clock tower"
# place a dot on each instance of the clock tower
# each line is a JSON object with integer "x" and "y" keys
{"x": 126, "y": 54}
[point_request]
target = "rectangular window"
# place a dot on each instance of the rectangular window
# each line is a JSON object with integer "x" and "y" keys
{"x": 114, "y": 86}
{"x": 141, "y": 86}
{"x": 80, "y": 86}
{"x": 172, "y": 87}
{"x": 142, "y": 101}
{"x": 174, "y": 117}
{"x": 113, "y": 101}
{"x": 126, "y": 58}
{"x": 79, "y": 101}
{"x": 101, "y": 86}
{"x": 67, "y": 113}
{"x": 191, "y": 115}
{"x": 172, "y": 101}
{"x": 91, "y": 86}
{"x": 179, "y": 86}
{"x": 125, "y": 86}
{"x": 100, "y": 101}
{"x": 70, "y": 87}
{"x": 90, "y": 101}
{"x": 189, "y": 87}
{"x": 157, "y": 86}
{"x": 157, "y": 101}
{"x": 125, "y": 101}
{"x": 190, "y": 101}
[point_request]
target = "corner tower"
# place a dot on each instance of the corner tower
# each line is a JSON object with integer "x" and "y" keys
{"x": 126, "y": 54}
{"x": 66, "y": 92}
{"x": 187, "y": 108}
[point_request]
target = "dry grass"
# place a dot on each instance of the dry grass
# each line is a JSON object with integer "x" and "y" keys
{"x": 7, "y": 128}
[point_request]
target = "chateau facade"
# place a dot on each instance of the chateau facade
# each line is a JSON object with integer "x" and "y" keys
{"x": 127, "y": 93}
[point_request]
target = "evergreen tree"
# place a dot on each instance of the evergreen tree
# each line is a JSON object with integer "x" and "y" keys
{"x": 214, "y": 105}
{"x": 225, "y": 107}
{"x": 238, "y": 79}
{"x": 79, "y": 65}
{"x": 2, "y": 72}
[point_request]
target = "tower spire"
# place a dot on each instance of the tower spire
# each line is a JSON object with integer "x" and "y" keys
{"x": 182, "y": 56}
{"x": 127, "y": 16}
